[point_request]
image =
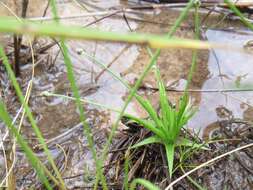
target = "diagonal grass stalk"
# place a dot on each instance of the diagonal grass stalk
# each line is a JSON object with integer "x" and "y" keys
{"x": 26, "y": 98}
{"x": 192, "y": 69}
{"x": 87, "y": 130}
{"x": 168, "y": 111}
{"x": 239, "y": 14}
{"x": 74, "y": 88}
{"x": 194, "y": 56}
{"x": 29, "y": 113}
{"x": 34, "y": 161}
{"x": 49, "y": 94}
{"x": 138, "y": 82}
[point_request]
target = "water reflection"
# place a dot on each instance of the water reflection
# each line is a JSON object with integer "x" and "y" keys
{"x": 228, "y": 70}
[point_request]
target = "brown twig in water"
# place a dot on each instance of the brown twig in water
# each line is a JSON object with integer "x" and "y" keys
{"x": 143, "y": 87}
{"x": 46, "y": 8}
{"x": 17, "y": 40}
{"x": 114, "y": 59}
{"x": 16, "y": 54}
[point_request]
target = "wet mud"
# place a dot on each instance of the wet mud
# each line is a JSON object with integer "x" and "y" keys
{"x": 58, "y": 118}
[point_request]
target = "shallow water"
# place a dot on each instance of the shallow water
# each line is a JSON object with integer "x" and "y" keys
{"x": 228, "y": 70}
{"x": 216, "y": 70}
{"x": 57, "y": 116}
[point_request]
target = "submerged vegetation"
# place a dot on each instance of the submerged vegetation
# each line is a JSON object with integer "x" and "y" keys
{"x": 165, "y": 126}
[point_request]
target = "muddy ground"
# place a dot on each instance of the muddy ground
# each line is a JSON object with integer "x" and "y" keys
{"x": 223, "y": 114}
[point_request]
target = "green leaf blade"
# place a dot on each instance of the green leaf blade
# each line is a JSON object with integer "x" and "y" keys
{"x": 143, "y": 182}
{"x": 147, "y": 125}
{"x": 149, "y": 140}
{"x": 170, "y": 150}
{"x": 150, "y": 110}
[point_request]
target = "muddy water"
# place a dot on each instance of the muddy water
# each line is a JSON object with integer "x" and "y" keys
{"x": 58, "y": 119}
{"x": 216, "y": 70}
{"x": 15, "y": 7}
{"x": 174, "y": 64}
{"x": 228, "y": 70}
{"x": 56, "y": 116}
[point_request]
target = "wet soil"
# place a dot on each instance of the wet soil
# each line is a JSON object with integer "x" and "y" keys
{"x": 149, "y": 162}
{"x": 58, "y": 118}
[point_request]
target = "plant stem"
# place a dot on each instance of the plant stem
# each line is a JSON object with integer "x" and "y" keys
{"x": 27, "y": 110}
{"x": 74, "y": 88}
{"x": 79, "y": 33}
{"x": 239, "y": 14}
{"x": 139, "y": 81}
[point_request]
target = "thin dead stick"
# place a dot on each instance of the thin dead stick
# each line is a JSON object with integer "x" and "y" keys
{"x": 102, "y": 18}
{"x": 29, "y": 87}
{"x": 6, "y": 166}
{"x": 205, "y": 164}
{"x": 105, "y": 13}
{"x": 137, "y": 9}
{"x": 183, "y": 3}
{"x": 68, "y": 132}
{"x": 16, "y": 67}
{"x": 198, "y": 90}
{"x": 46, "y": 8}
{"x": 18, "y": 41}
{"x": 237, "y": 99}
{"x": 114, "y": 59}
{"x": 203, "y": 3}
{"x": 101, "y": 13}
